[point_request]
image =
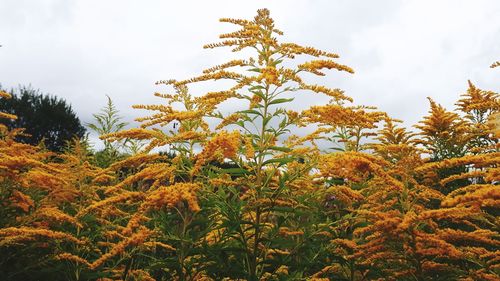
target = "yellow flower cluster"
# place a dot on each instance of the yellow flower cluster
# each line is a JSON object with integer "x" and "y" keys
{"x": 285, "y": 231}
{"x": 314, "y": 66}
{"x": 154, "y": 244}
{"x": 134, "y": 240}
{"x": 479, "y": 100}
{"x": 444, "y": 125}
{"x": 356, "y": 167}
{"x": 339, "y": 116}
{"x": 157, "y": 173}
{"x": 222, "y": 146}
{"x": 5, "y": 115}
{"x": 56, "y": 215}
{"x": 73, "y": 258}
{"x": 231, "y": 119}
{"x": 4, "y": 94}
{"x": 226, "y": 65}
{"x": 213, "y": 76}
{"x": 21, "y": 200}
{"x": 271, "y": 75}
{"x": 15, "y": 235}
{"x": 122, "y": 197}
{"x": 336, "y": 94}
{"x": 170, "y": 196}
{"x": 249, "y": 149}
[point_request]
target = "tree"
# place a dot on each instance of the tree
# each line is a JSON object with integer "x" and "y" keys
{"x": 44, "y": 117}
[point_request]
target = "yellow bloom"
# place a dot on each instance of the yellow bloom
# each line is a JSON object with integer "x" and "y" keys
{"x": 4, "y": 94}
{"x": 7, "y": 116}
{"x": 314, "y": 65}
{"x": 221, "y": 146}
{"x": 134, "y": 240}
{"x": 52, "y": 213}
{"x": 249, "y": 149}
{"x": 170, "y": 196}
{"x": 20, "y": 234}
{"x": 73, "y": 258}
{"x": 21, "y": 200}
{"x": 271, "y": 75}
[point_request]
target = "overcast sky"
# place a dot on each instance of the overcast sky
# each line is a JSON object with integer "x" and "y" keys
{"x": 402, "y": 51}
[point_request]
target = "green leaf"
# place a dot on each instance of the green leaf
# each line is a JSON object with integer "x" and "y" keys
{"x": 274, "y": 63}
{"x": 280, "y": 148}
{"x": 280, "y": 161}
{"x": 282, "y": 100}
{"x": 267, "y": 119}
{"x": 235, "y": 171}
{"x": 240, "y": 123}
{"x": 260, "y": 94}
{"x": 255, "y": 69}
{"x": 251, "y": 111}
{"x": 257, "y": 87}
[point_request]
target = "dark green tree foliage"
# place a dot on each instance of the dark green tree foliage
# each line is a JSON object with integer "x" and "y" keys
{"x": 43, "y": 116}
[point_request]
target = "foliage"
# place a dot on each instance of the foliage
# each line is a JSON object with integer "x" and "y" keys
{"x": 109, "y": 121}
{"x": 45, "y": 118}
{"x": 248, "y": 199}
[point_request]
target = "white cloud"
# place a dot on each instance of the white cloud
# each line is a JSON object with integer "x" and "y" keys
{"x": 402, "y": 51}
{"x": 428, "y": 49}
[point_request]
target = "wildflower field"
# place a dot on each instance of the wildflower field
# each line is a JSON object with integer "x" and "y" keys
{"x": 244, "y": 195}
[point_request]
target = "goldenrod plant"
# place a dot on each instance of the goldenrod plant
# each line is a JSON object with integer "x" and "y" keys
{"x": 108, "y": 121}
{"x": 242, "y": 195}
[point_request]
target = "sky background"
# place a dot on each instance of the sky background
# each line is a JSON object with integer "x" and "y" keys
{"x": 402, "y": 51}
